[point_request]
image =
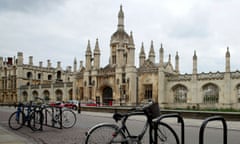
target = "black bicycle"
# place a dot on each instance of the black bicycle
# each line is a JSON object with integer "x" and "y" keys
{"x": 57, "y": 115}
{"x": 106, "y": 133}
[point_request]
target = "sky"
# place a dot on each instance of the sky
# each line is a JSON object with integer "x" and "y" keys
{"x": 60, "y": 29}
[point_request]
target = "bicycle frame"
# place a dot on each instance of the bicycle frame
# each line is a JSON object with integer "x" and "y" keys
{"x": 133, "y": 138}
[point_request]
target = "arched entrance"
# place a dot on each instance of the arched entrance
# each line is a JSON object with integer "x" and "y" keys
{"x": 107, "y": 96}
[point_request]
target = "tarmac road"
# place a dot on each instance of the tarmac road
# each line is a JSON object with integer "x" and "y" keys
{"x": 86, "y": 120}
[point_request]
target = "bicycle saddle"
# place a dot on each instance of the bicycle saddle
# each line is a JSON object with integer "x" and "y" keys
{"x": 117, "y": 116}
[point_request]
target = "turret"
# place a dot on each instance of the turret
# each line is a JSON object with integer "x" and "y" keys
{"x": 75, "y": 65}
{"x": 194, "y": 71}
{"x": 88, "y": 56}
{"x": 58, "y": 65}
{"x": 131, "y": 52}
{"x": 40, "y": 64}
{"x": 120, "y": 19}
{"x": 161, "y": 54}
{"x": 49, "y": 63}
{"x": 177, "y": 63}
{"x": 96, "y": 55}
{"x": 152, "y": 53}
{"x": 20, "y": 58}
{"x": 227, "y": 60}
{"x": 142, "y": 56}
{"x": 31, "y": 60}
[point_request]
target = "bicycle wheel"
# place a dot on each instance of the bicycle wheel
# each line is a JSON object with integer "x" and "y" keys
{"x": 68, "y": 118}
{"x": 166, "y": 134}
{"x": 16, "y": 120}
{"x": 36, "y": 120}
{"x": 105, "y": 134}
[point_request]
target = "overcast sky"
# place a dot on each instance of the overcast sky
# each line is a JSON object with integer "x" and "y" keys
{"x": 59, "y": 29}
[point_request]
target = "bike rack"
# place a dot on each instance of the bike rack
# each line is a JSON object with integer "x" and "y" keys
{"x": 172, "y": 115}
{"x": 204, "y": 124}
{"x": 52, "y": 124}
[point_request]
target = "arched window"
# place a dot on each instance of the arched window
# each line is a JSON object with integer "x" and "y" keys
{"x": 25, "y": 96}
{"x": 46, "y": 95}
{"x": 180, "y": 94}
{"x": 59, "y": 75}
{"x": 210, "y": 94}
{"x": 148, "y": 91}
{"x": 59, "y": 94}
{"x": 35, "y": 94}
{"x": 29, "y": 75}
{"x": 238, "y": 93}
{"x": 49, "y": 77}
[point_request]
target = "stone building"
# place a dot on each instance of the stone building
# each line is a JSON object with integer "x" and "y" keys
{"x": 22, "y": 82}
{"x": 121, "y": 82}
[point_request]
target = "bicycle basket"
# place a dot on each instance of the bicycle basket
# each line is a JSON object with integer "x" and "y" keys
{"x": 154, "y": 110}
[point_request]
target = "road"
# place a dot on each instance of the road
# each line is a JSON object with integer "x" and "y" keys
{"x": 86, "y": 120}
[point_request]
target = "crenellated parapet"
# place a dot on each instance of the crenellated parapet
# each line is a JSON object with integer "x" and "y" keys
{"x": 211, "y": 76}
{"x": 235, "y": 75}
{"x": 184, "y": 77}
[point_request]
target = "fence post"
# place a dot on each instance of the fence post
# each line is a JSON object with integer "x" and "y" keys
{"x": 179, "y": 119}
{"x": 79, "y": 107}
{"x": 204, "y": 124}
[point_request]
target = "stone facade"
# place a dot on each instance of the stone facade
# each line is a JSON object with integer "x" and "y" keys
{"x": 120, "y": 82}
{"x": 22, "y": 82}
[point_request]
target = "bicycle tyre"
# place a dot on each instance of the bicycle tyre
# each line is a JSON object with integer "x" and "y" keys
{"x": 104, "y": 134}
{"x": 16, "y": 120}
{"x": 68, "y": 118}
{"x": 36, "y": 120}
{"x": 166, "y": 134}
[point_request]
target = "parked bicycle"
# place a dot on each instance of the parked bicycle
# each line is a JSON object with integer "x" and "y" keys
{"x": 57, "y": 115}
{"x": 106, "y": 133}
{"x": 24, "y": 116}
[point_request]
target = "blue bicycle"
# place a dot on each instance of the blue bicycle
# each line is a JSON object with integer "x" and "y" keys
{"x": 25, "y": 114}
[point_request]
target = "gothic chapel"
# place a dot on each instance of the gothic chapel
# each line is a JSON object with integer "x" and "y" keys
{"x": 121, "y": 82}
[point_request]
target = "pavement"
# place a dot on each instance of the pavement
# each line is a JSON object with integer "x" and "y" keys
{"x": 9, "y": 137}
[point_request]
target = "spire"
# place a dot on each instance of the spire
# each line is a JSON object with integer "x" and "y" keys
{"x": 161, "y": 48}
{"x": 142, "y": 56}
{"x": 169, "y": 58}
{"x": 152, "y": 53}
{"x": 194, "y": 56}
{"x": 151, "y": 49}
{"x": 88, "y": 47}
{"x": 161, "y": 52}
{"x": 75, "y": 64}
{"x": 227, "y": 65}
{"x": 96, "y": 55}
{"x": 131, "y": 39}
{"x": 142, "y": 52}
{"x": 227, "y": 53}
{"x": 120, "y": 19}
{"x": 177, "y": 62}
{"x": 194, "y": 71}
{"x": 96, "y": 50}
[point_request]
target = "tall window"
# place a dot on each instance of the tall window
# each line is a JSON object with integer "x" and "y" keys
{"x": 210, "y": 94}
{"x": 59, "y": 95}
{"x": 238, "y": 93}
{"x": 148, "y": 91}
{"x": 180, "y": 94}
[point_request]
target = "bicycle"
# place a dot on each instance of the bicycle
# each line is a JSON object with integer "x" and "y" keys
{"x": 19, "y": 118}
{"x": 60, "y": 115}
{"x": 107, "y": 133}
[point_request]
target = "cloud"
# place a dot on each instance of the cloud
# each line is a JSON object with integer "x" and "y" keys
{"x": 28, "y": 6}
